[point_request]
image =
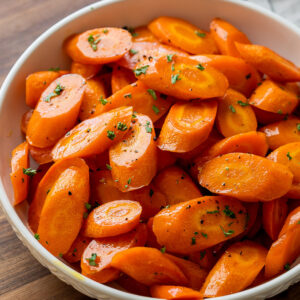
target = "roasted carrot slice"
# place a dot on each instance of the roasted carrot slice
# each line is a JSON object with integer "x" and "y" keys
{"x": 113, "y": 218}
{"x": 235, "y": 270}
{"x": 133, "y": 286}
{"x": 20, "y": 172}
{"x": 235, "y": 174}
{"x": 274, "y": 214}
{"x": 225, "y": 36}
{"x": 234, "y": 114}
{"x": 183, "y": 78}
{"x": 282, "y": 132}
{"x": 174, "y": 292}
{"x": 99, "y": 252}
{"x": 291, "y": 222}
{"x": 241, "y": 76}
{"x": 37, "y": 82}
{"x": 86, "y": 71}
{"x": 181, "y": 34}
{"x": 267, "y": 61}
{"x": 187, "y": 125}
{"x": 148, "y": 266}
{"x": 273, "y": 97}
{"x": 75, "y": 252}
{"x": 265, "y": 117}
{"x": 176, "y": 185}
{"x": 62, "y": 213}
{"x": 133, "y": 160}
{"x": 164, "y": 159}
{"x": 93, "y": 95}
{"x": 200, "y": 223}
{"x": 120, "y": 78}
{"x": 193, "y": 272}
{"x": 206, "y": 258}
{"x": 59, "y": 104}
{"x": 94, "y": 136}
{"x": 151, "y": 238}
{"x": 143, "y": 34}
{"x": 143, "y": 100}
{"x": 25, "y": 120}
{"x": 41, "y": 155}
{"x": 99, "y": 45}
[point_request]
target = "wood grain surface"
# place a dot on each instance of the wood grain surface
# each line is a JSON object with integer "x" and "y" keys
{"x": 21, "y": 21}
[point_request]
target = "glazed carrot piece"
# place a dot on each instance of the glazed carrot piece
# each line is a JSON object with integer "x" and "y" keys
{"x": 25, "y": 120}
{"x": 291, "y": 222}
{"x": 120, "y": 78}
{"x": 143, "y": 34}
{"x": 176, "y": 185}
{"x": 174, "y": 292}
{"x": 95, "y": 135}
{"x": 193, "y": 272}
{"x": 181, "y": 34}
{"x": 59, "y": 104}
{"x": 62, "y": 213}
{"x": 198, "y": 224}
{"x": 93, "y": 95}
{"x": 151, "y": 238}
{"x": 225, "y": 36}
{"x": 133, "y": 286}
{"x": 294, "y": 192}
{"x": 241, "y": 76}
{"x": 98, "y": 254}
{"x": 234, "y": 114}
{"x": 86, "y": 71}
{"x": 113, "y": 218}
{"x": 143, "y": 100}
{"x": 148, "y": 266}
{"x": 76, "y": 250}
{"x": 235, "y": 175}
{"x": 272, "y": 97}
{"x": 164, "y": 159}
{"x": 235, "y": 270}
{"x": 206, "y": 258}
{"x": 104, "y": 276}
{"x": 20, "y": 172}
{"x": 267, "y": 61}
{"x": 274, "y": 214}
{"x": 282, "y": 132}
{"x": 183, "y": 78}
{"x": 253, "y": 218}
{"x": 41, "y": 155}
{"x": 187, "y": 125}
{"x": 99, "y": 45}
{"x": 133, "y": 160}
{"x": 265, "y": 117}
{"x": 37, "y": 82}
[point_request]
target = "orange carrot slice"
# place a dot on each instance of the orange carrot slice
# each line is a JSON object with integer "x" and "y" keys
{"x": 172, "y": 292}
{"x": 120, "y": 78}
{"x": 265, "y": 117}
{"x": 86, "y": 71}
{"x": 294, "y": 192}
{"x": 103, "y": 276}
{"x": 41, "y": 155}
{"x": 205, "y": 258}
{"x": 133, "y": 286}
{"x": 143, "y": 34}
{"x": 164, "y": 159}
{"x": 291, "y": 222}
{"x": 25, "y": 120}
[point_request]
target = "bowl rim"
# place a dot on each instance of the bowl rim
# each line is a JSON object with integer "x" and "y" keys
{"x": 21, "y": 229}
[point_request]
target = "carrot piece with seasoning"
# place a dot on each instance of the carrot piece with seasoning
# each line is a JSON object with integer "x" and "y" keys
{"x": 86, "y": 71}
{"x": 143, "y": 34}
{"x": 75, "y": 252}
{"x": 25, "y": 120}
{"x": 172, "y": 292}
{"x": 41, "y": 155}
{"x": 120, "y": 78}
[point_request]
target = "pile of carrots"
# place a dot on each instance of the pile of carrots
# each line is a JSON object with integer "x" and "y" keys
{"x": 169, "y": 159}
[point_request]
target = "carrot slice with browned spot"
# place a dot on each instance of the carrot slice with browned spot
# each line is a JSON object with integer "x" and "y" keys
{"x": 174, "y": 292}
{"x": 86, "y": 71}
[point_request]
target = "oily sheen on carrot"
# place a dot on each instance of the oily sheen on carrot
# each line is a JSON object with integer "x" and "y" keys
{"x": 174, "y": 292}
{"x": 235, "y": 174}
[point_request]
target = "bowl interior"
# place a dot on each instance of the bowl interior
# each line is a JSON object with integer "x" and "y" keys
{"x": 260, "y": 26}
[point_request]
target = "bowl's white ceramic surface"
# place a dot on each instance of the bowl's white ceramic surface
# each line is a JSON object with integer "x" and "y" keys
{"x": 261, "y": 26}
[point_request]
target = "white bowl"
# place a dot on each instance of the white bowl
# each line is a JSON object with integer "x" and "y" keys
{"x": 260, "y": 25}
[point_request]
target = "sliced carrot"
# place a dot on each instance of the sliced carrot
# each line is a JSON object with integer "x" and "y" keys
{"x": 193, "y": 272}
{"x": 234, "y": 114}
{"x": 267, "y": 61}
{"x": 225, "y": 36}
{"x": 113, "y": 218}
{"x": 133, "y": 286}
{"x": 76, "y": 250}
{"x": 151, "y": 238}
{"x": 235, "y": 270}
{"x": 98, "y": 254}
{"x": 272, "y": 97}
{"x": 120, "y": 78}
{"x": 181, "y": 34}
{"x": 25, "y": 120}
{"x": 93, "y": 95}
{"x": 37, "y": 82}
{"x": 176, "y": 185}
{"x": 59, "y": 104}
{"x": 143, "y": 34}
{"x": 282, "y": 132}
{"x": 164, "y": 159}
{"x": 104, "y": 276}
{"x": 253, "y": 218}
{"x": 20, "y": 173}
{"x": 205, "y": 258}
{"x": 140, "y": 97}
{"x": 86, "y": 71}
{"x": 148, "y": 266}
{"x": 62, "y": 213}
{"x": 294, "y": 192}
{"x": 187, "y": 125}
{"x": 95, "y": 135}
{"x": 198, "y": 224}
{"x": 235, "y": 174}
{"x": 292, "y": 221}
{"x": 265, "y": 117}
{"x": 41, "y": 155}
{"x": 254, "y": 231}
{"x": 274, "y": 214}
{"x": 99, "y": 45}
{"x": 241, "y": 76}
{"x": 174, "y": 292}
{"x": 183, "y": 78}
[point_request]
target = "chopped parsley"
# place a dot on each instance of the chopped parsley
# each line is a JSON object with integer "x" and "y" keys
{"x": 228, "y": 212}
{"x": 289, "y": 156}
{"x": 60, "y": 255}
{"x": 163, "y": 249}
{"x": 36, "y": 236}
{"x": 279, "y": 111}
{"x": 287, "y": 267}
{"x": 131, "y": 31}
{"x": 133, "y": 52}
{"x": 57, "y": 92}
{"x": 129, "y": 181}
{"x": 56, "y": 69}
{"x": 173, "y": 67}
{"x": 92, "y": 260}
{"x": 110, "y": 134}
{"x": 193, "y": 240}
{"x": 204, "y": 235}
{"x": 200, "y": 67}
{"x": 93, "y": 43}
{"x": 213, "y": 212}
{"x": 298, "y": 126}
{"x": 241, "y": 103}
{"x": 87, "y": 206}
{"x": 202, "y": 254}
{"x": 127, "y": 95}
{"x": 141, "y": 70}
{"x": 102, "y": 100}
{"x": 232, "y": 108}
{"x": 155, "y": 109}
{"x": 105, "y": 30}
{"x": 148, "y": 128}
{"x": 200, "y": 34}
{"x": 170, "y": 57}
{"x": 227, "y": 233}
{"x": 152, "y": 93}
{"x": 30, "y": 172}
{"x": 121, "y": 126}
{"x": 175, "y": 78}
{"x": 108, "y": 167}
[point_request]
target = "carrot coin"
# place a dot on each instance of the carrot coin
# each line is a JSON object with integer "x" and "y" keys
{"x": 121, "y": 77}
{"x": 172, "y": 292}
{"x": 86, "y": 71}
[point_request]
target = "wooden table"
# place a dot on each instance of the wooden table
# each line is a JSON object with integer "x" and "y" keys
{"x": 21, "y": 21}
